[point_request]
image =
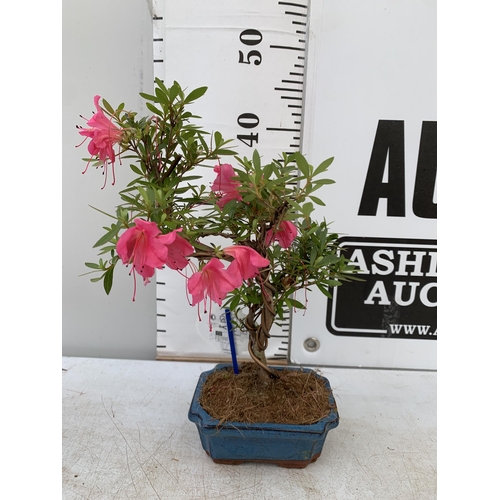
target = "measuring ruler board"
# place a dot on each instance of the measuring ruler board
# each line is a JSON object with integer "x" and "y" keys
{"x": 253, "y": 58}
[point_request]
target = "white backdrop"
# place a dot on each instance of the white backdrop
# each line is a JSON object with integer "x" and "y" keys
{"x": 106, "y": 50}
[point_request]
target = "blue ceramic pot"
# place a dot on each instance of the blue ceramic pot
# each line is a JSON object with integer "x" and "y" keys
{"x": 287, "y": 445}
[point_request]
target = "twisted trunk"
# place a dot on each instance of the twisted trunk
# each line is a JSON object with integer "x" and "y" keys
{"x": 259, "y": 334}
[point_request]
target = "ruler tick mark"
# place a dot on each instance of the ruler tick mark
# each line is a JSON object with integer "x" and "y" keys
{"x": 291, "y": 98}
{"x": 287, "y": 90}
{"x": 295, "y": 13}
{"x": 293, "y": 4}
{"x": 283, "y": 129}
{"x": 299, "y": 23}
{"x": 288, "y": 47}
{"x": 291, "y": 81}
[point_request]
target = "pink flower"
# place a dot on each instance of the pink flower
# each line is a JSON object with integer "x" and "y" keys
{"x": 246, "y": 262}
{"x": 284, "y": 235}
{"x": 104, "y": 134}
{"x": 178, "y": 249}
{"x": 146, "y": 248}
{"x": 213, "y": 282}
{"x": 225, "y": 184}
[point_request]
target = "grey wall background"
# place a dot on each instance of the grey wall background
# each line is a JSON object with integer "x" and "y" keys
{"x": 106, "y": 50}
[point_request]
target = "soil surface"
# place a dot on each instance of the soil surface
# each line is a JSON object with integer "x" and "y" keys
{"x": 293, "y": 397}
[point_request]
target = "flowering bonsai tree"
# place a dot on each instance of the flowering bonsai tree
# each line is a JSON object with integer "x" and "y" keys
{"x": 169, "y": 217}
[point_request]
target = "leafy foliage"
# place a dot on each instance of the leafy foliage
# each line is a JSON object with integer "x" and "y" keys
{"x": 166, "y": 152}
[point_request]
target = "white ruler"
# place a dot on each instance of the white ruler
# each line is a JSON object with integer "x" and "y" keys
{"x": 253, "y": 58}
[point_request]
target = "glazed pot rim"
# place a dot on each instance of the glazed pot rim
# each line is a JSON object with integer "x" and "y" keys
{"x": 198, "y": 415}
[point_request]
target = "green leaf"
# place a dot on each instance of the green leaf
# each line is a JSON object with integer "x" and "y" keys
{"x": 108, "y": 280}
{"x": 323, "y": 166}
{"x": 324, "y": 291}
{"x": 144, "y": 194}
{"x": 107, "y": 249}
{"x": 175, "y": 91}
{"x": 321, "y": 182}
{"x": 302, "y": 164}
{"x": 234, "y": 303}
{"x": 162, "y": 96}
{"x": 154, "y": 109}
{"x": 112, "y": 216}
{"x": 256, "y": 160}
{"x": 225, "y": 152}
{"x": 317, "y": 201}
{"x": 294, "y": 303}
{"x": 307, "y": 208}
{"x": 268, "y": 171}
{"x": 195, "y": 94}
{"x": 136, "y": 170}
{"x": 329, "y": 259}
{"x": 92, "y": 265}
{"x": 115, "y": 229}
{"x": 150, "y": 97}
{"x": 160, "y": 84}
{"x": 203, "y": 143}
{"x": 108, "y": 107}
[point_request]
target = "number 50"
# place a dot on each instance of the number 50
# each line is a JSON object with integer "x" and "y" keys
{"x": 250, "y": 37}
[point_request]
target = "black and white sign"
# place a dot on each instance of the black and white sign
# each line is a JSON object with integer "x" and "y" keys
{"x": 398, "y": 295}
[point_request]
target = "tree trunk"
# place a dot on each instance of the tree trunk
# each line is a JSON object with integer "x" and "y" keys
{"x": 259, "y": 334}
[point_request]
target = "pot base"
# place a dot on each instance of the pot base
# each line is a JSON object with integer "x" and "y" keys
{"x": 287, "y": 464}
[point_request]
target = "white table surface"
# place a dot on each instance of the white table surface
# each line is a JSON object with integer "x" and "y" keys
{"x": 126, "y": 435}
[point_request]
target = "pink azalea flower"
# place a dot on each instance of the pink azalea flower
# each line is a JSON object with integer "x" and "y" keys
{"x": 146, "y": 248}
{"x": 246, "y": 262}
{"x": 213, "y": 282}
{"x": 284, "y": 235}
{"x": 178, "y": 249}
{"x": 104, "y": 134}
{"x": 225, "y": 184}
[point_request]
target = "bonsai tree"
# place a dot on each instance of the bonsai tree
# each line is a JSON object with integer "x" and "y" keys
{"x": 170, "y": 215}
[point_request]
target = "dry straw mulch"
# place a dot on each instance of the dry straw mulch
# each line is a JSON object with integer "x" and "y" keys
{"x": 293, "y": 397}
